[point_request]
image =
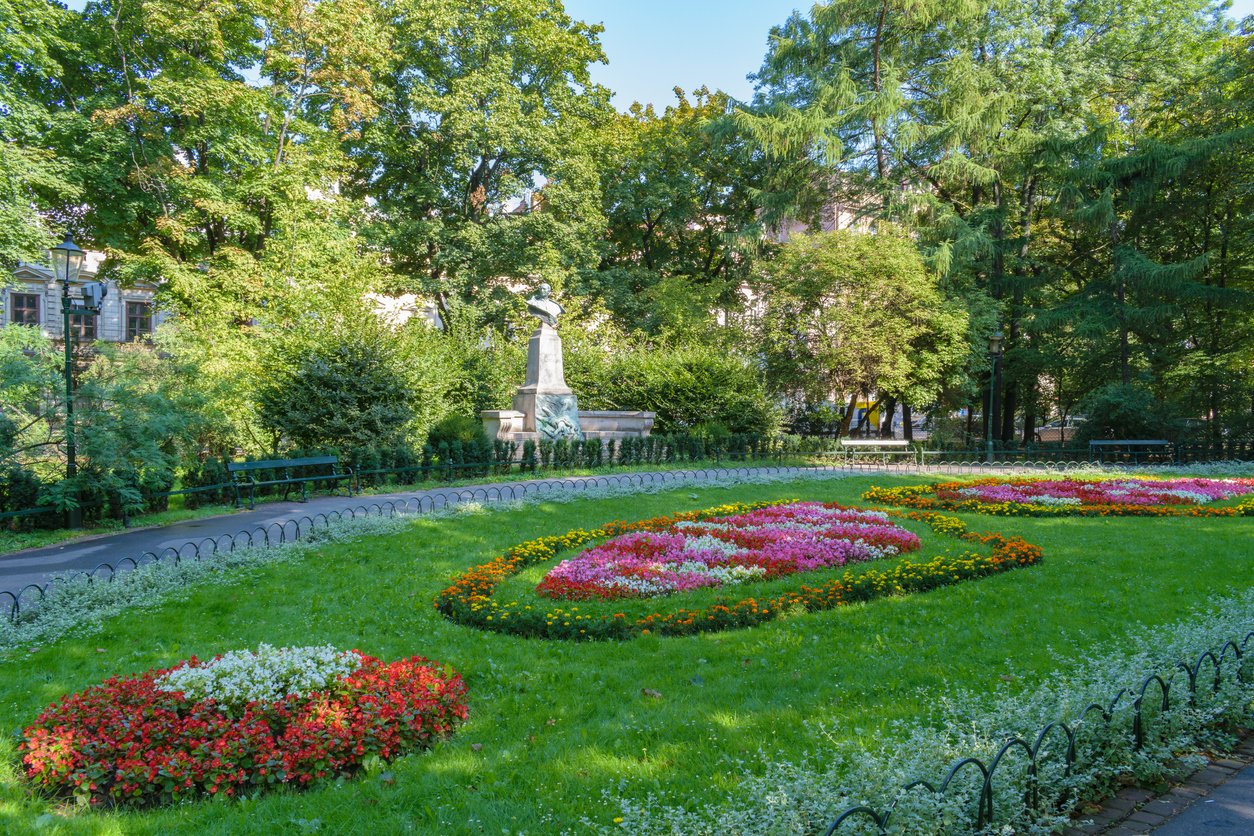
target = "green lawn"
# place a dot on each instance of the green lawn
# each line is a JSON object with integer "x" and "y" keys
{"x": 14, "y": 541}
{"x": 554, "y": 724}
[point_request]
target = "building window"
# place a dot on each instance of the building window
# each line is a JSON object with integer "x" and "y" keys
{"x": 138, "y": 320}
{"x": 24, "y": 308}
{"x": 83, "y": 327}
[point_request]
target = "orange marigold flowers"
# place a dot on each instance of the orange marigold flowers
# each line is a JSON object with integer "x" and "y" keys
{"x": 468, "y": 599}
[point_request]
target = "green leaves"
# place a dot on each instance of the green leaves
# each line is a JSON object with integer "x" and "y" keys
{"x": 856, "y": 313}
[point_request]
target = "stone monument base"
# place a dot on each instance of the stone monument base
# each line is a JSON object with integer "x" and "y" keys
{"x": 509, "y": 425}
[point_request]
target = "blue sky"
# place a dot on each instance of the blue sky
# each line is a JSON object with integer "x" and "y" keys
{"x": 656, "y": 45}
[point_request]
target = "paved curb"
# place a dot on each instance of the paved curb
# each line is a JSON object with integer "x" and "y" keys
{"x": 1135, "y": 811}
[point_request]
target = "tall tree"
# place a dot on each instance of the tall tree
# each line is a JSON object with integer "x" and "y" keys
{"x": 679, "y": 195}
{"x": 32, "y": 177}
{"x": 480, "y": 164}
{"x": 961, "y": 117}
{"x": 848, "y": 315}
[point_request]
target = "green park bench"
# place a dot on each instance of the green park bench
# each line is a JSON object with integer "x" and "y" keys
{"x": 244, "y": 475}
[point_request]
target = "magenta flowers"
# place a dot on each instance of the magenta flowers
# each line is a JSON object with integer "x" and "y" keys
{"x": 758, "y": 545}
{"x": 1107, "y": 492}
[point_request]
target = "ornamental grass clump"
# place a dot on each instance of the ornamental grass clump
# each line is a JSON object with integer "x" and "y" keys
{"x": 141, "y": 740}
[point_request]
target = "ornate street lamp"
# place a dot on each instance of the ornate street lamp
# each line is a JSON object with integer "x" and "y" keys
{"x": 994, "y": 384}
{"x": 67, "y": 263}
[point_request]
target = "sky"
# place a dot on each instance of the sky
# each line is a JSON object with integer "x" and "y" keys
{"x": 656, "y": 45}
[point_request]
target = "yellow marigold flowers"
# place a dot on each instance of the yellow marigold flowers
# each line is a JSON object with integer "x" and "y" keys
{"x": 468, "y": 600}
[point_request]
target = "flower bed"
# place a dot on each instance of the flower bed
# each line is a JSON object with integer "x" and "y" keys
{"x": 469, "y": 600}
{"x": 762, "y": 544}
{"x": 1075, "y": 497}
{"x": 142, "y": 740}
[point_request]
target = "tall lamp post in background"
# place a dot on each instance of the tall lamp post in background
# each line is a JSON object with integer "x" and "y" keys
{"x": 994, "y": 384}
{"x": 67, "y": 263}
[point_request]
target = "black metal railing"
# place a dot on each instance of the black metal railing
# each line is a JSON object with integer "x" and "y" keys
{"x": 1032, "y": 753}
{"x": 18, "y": 601}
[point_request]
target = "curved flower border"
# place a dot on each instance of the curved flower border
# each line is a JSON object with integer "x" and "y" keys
{"x": 468, "y": 601}
{"x": 128, "y": 742}
{"x": 923, "y": 497}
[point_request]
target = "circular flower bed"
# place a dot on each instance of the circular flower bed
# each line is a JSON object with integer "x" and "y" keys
{"x": 1075, "y": 497}
{"x": 238, "y": 723}
{"x": 470, "y": 599}
{"x": 759, "y": 545}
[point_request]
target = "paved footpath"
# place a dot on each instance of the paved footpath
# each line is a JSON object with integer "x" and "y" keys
{"x": 1216, "y": 800}
{"x": 36, "y": 566}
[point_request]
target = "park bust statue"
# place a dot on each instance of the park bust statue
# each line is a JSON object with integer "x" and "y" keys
{"x": 544, "y": 308}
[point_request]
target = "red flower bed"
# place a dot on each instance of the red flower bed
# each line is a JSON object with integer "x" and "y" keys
{"x": 125, "y": 741}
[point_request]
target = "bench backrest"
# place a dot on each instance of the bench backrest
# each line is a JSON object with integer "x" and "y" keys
{"x": 1144, "y": 442}
{"x": 873, "y": 442}
{"x": 273, "y": 464}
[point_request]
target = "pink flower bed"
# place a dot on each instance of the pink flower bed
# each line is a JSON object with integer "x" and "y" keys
{"x": 758, "y": 545}
{"x": 1106, "y": 492}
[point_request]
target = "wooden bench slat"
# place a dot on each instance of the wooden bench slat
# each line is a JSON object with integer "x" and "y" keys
{"x": 275, "y": 464}
{"x": 1141, "y": 442}
{"x": 245, "y": 478}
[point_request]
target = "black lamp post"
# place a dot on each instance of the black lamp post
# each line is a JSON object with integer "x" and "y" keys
{"x": 67, "y": 263}
{"x": 994, "y": 383}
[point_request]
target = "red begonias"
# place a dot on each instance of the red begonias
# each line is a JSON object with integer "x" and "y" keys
{"x": 127, "y": 741}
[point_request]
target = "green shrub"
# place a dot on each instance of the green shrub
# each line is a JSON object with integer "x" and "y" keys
{"x": 346, "y": 388}
{"x": 687, "y": 386}
{"x": 1126, "y": 411}
{"x": 460, "y": 428}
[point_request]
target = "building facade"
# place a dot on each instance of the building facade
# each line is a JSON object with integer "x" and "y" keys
{"x": 34, "y": 298}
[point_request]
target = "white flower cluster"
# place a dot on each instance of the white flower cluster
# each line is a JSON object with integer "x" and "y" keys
{"x": 707, "y": 542}
{"x": 1192, "y": 496}
{"x": 1055, "y": 500}
{"x": 724, "y": 574}
{"x": 266, "y": 674}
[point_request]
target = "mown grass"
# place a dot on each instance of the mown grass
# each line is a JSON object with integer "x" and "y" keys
{"x": 554, "y": 725}
{"x": 12, "y": 540}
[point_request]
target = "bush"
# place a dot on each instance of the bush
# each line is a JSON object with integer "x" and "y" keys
{"x": 346, "y": 389}
{"x": 19, "y": 490}
{"x": 462, "y": 428}
{"x": 687, "y": 387}
{"x": 1126, "y": 411}
{"x": 211, "y": 471}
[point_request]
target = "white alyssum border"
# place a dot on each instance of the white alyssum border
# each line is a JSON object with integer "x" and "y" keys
{"x": 79, "y": 605}
{"x": 804, "y": 794}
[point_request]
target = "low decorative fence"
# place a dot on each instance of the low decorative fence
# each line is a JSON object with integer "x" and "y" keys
{"x": 15, "y": 602}
{"x": 209, "y": 483}
{"x": 1139, "y": 708}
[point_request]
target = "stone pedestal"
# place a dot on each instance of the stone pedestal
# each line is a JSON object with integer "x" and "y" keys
{"x": 548, "y": 406}
{"x": 545, "y": 408}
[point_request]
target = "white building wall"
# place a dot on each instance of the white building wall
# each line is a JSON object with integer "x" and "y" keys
{"x": 110, "y": 323}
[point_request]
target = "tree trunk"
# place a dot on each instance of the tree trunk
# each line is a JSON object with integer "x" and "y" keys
{"x": 907, "y": 425}
{"x": 1029, "y": 415}
{"x": 886, "y": 424}
{"x": 848, "y": 419}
